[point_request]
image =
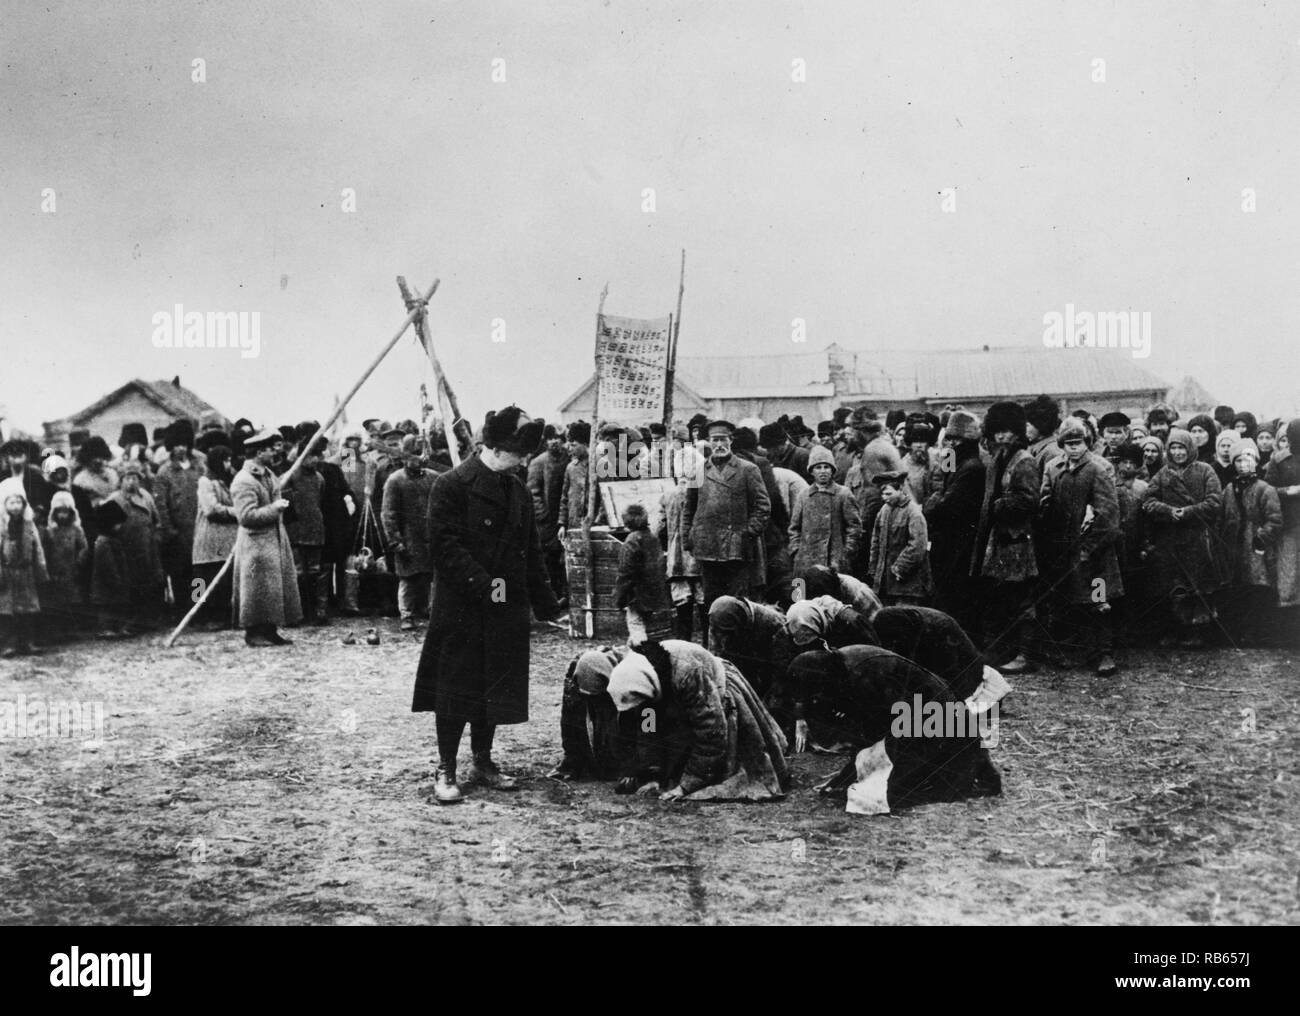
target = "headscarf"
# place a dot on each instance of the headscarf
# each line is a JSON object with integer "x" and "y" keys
{"x": 632, "y": 682}
{"x": 1206, "y": 422}
{"x": 1183, "y": 437}
{"x": 593, "y": 669}
{"x": 62, "y": 499}
{"x": 13, "y": 487}
{"x": 728, "y": 613}
{"x": 1159, "y": 445}
{"x": 811, "y": 617}
{"x": 53, "y": 463}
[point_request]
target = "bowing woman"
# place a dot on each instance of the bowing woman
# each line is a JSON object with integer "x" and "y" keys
{"x": 489, "y": 571}
{"x": 718, "y": 740}
{"x": 868, "y": 694}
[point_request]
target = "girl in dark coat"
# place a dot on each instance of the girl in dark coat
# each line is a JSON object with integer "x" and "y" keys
{"x": 860, "y": 689}
{"x": 953, "y": 516}
{"x": 488, "y": 569}
{"x": 1252, "y": 520}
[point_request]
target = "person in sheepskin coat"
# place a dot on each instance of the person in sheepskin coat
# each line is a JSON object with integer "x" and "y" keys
{"x": 265, "y": 590}
{"x": 488, "y": 572}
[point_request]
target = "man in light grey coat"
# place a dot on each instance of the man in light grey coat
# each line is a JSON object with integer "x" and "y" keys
{"x": 266, "y": 584}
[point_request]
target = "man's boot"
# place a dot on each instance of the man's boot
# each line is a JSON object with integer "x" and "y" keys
{"x": 484, "y": 771}
{"x": 445, "y": 788}
{"x": 348, "y": 594}
{"x": 322, "y": 589}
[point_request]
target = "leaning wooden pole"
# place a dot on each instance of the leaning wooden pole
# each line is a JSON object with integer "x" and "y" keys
{"x": 442, "y": 387}
{"x": 593, "y": 484}
{"x": 411, "y": 315}
{"x": 674, "y": 332}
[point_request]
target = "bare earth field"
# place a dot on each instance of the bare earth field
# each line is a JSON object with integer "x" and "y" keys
{"x": 290, "y": 786}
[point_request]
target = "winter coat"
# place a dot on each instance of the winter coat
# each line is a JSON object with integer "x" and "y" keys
{"x": 215, "y": 525}
{"x": 726, "y": 516}
{"x": 109, "y": 578}
{"x": 99, "y": 486}
{"x": 1004, "y": 544}
{"x": 679, "y": 563}
{"x": 1132, "y": 525}
{"x": 609, "y": 750}
{"x": 66, "y": 558}
{"x": 791, "y": 456}
{"x": 22, "y": 568}
{"x": 176, "y": 495}
{"x": 546, "y": 486}
{"x": 405, "y": 517}
{"x": 489, "y": 570}
{"x": 642, "y": 581}
{"x": 265, "y": 583}
{"x": 573, "y": 499}
{"x": 1090, "y": 553}
{"x": 898, "y": 542}
{"x": 953, "y": 517}
{"x": 340, "y": 526}
{"x": 1186, "y": 566}
{"x": 1282, "y": 474}
{"x": 140, "y": 541}
{"x": 826, "y": 528}
{"x": 304, "y": 519}
{"x": 1252, "y": 523}
{"x": 38, "y": 491}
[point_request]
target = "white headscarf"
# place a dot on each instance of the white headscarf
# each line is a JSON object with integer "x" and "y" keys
{"x": 13, "y": 487}
{"x": 632, "y": 682}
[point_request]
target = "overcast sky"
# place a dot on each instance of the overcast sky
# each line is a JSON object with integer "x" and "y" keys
{"x": 818, "y": 200}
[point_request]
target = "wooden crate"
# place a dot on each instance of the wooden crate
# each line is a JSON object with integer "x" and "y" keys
{"x": 603, "y": 621}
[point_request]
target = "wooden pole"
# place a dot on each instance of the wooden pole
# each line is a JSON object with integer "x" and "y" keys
{"x": 451, "y": 418}
{"x": 411, "y": 315}
{"x": 670, "y": 377}
{"x": 593, "y": 486}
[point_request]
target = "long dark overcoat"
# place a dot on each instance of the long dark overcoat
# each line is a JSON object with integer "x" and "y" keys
{"x": 488, "y": 571}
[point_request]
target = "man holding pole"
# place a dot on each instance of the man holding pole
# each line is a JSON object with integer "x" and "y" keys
{"x": 266, "y": 583}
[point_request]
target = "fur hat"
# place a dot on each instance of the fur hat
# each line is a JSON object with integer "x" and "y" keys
{"x": 1130, "y": 452}
{"x": 180, "y": 432}
{"x": 1224, "y": 415}
{"x": 796, "y": 428}
{"x": 1114, "y": 419}
{"x": 893, "y": 478}
{"x": 962, "y": 426}
{"x": 14, "y": 447}
{"x": 1044, "y": 413}
{"x": 920, "y": 430}
{"x": 580, "y": 432}
{"x": 1072, "y": 429}
{"x": 159, "y": 435}
{"x": 826, "y": 429}
{"x": 773, "y": 436}
{"x": 503, "y": 431}
{"x": 893, "y": 418}
{"x": 94, "y": 447}
{"x": 697, "y": 422}
{"x": 1162, "y": 412}
{"x": 288, "y": 432}
{"x": 216, "y": 456}
{"x": 744, "y": 440}
{"x": 210, "y": 439}
{"x": 840, "y": 416}
{"x": 820, "y": 455}
{"x": 132, "y": 433}
{"x": 1005, "y": 416}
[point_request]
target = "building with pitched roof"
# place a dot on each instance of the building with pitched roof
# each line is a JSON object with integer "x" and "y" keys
{"x": 152, "y": 403}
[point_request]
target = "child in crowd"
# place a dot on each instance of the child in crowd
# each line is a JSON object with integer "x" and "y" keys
{"x": 641, "y": 589}
{"x": 1129, "y": 490}
{"x": 826, "y": 526}
{"x": 1252, "y": 521}
{"x": 686, "y": 587}
{"x": 145, "y": 577}
{"x": 899, "y": 558}
{"x": 67, "y": 557}
{"x": 110, "y": 579}
{"x": 22, "y": 571}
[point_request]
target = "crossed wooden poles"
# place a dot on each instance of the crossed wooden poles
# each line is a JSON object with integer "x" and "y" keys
{"x": 455, "y": 424}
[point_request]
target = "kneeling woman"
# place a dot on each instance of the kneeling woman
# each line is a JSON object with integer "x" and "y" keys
{"x": 869, "y": 695}
{"x": 720, "y": 741}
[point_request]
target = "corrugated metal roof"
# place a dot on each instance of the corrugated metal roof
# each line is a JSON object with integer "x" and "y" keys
{"x": 786, "y": 372}
{"x": 1003, "y": 372}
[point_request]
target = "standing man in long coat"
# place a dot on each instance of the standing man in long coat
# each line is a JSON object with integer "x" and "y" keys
{"x": 266, "y": 584}
{"x": 725, "y": 519}
{"x": 405, "y": 516}
{"x": 488, "y": 572}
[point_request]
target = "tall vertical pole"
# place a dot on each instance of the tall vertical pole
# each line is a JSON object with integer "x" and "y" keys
{"x": 670, "y": 377}
{"x": 593, "y": 486}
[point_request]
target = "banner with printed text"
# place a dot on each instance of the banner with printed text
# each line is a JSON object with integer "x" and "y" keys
{"x": 631, "y": 368}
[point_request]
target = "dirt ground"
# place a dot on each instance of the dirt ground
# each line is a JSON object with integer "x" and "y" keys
{"x": 290, "y": 786}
